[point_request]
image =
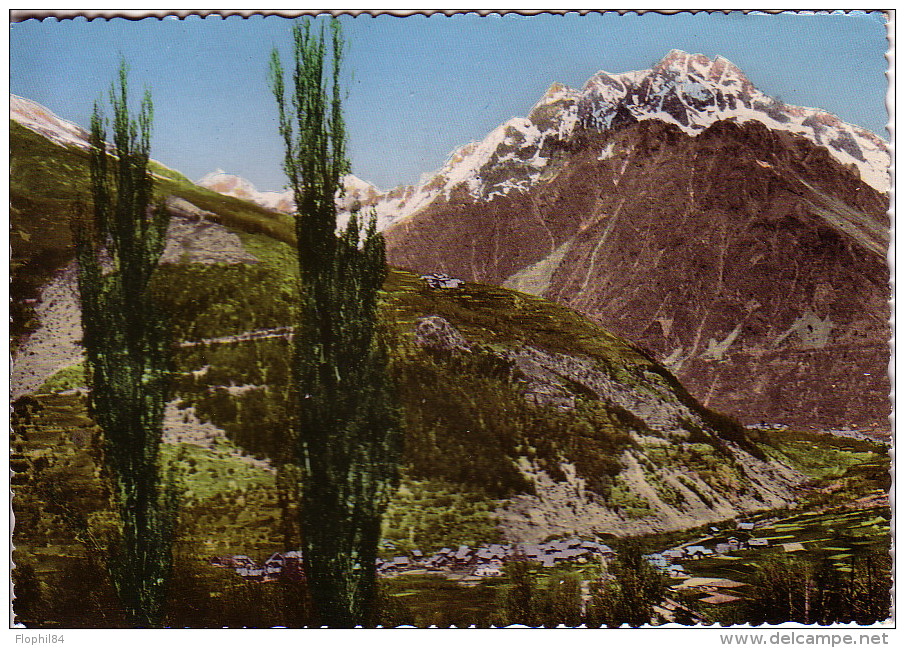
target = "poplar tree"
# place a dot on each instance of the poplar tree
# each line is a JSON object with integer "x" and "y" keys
{"x": 349, "y": 432}
{"x": 127, "y": 349}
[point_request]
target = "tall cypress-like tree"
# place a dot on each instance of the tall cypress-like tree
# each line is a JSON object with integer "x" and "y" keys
{"x": 349, "y": 434}
{"x": 127, "y": 349}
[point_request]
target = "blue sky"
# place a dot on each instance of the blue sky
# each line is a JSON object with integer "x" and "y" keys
{"x": 419, "y": 86}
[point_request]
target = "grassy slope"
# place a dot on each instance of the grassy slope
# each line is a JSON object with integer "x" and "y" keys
{"x": 467, "y": 422}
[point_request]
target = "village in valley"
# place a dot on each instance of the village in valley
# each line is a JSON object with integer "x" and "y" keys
{"x": 710, "y": 566}
{"x": 470, "y": 565}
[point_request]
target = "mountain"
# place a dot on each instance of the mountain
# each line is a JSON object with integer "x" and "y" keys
{"x": 540, "y": 419}
{"x": 694, "y": 92}
{"x": 690, "y": 91}
{"x": 523, "y": 419}
{"x": 740, "y": 240}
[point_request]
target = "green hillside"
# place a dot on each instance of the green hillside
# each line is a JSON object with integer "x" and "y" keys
{"x": 474, "y": 397}
{"x": 46, "y": 182}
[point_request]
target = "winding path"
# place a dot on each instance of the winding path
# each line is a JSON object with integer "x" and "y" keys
{"x": 259, "y": 334}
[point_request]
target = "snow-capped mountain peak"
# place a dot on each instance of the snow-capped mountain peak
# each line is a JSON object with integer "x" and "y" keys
{"x": 693, "y": 92}
{"x": 356, "y": 195}
{"x": 690, "y": 91}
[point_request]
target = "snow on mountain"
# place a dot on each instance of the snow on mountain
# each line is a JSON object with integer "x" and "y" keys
{"x": 36, "y": 117}
{"x": 693, "y": 92}
{"x": 232, "y": 185}
{"x": 357, "y": 195}
{"x": 688, "y": 90}
{"x": 39, "y": 119}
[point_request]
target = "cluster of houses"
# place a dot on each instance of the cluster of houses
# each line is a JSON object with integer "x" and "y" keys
{"x": 484, "y": 561}
{"x": 441, "y": 280}
{"x": 488, "y": 560}
{"x": 286, "y": 565}
{"x": 669, "y": 560}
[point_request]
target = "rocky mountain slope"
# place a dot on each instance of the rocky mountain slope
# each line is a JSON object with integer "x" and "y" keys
{"x": 740, "y": 240}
